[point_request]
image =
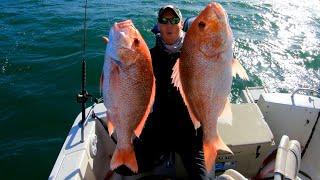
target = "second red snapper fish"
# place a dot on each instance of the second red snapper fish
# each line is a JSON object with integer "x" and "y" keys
{"x": 203, "y": 75}
{"x": 128, "y": 87}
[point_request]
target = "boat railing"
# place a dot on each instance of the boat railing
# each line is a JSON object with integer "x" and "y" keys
{"x": 309, "y": 91}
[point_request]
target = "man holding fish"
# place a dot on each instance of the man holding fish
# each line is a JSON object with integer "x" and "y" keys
{"x": 167, "y": 120}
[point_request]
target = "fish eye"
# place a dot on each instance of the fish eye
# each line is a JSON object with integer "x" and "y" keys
{"x": 202, "y": 25}
{"x": 136, "y": 41}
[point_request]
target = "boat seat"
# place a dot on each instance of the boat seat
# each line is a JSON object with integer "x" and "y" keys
{"x": 231, "y": 174}
{"x": 288, "y": 159}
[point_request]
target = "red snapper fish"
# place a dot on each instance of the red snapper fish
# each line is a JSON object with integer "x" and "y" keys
{"x": 203, "y": 75}
{"x": 128, "y": 87}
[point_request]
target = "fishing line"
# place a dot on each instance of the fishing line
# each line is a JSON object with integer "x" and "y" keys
{"x": 85, "y": 30}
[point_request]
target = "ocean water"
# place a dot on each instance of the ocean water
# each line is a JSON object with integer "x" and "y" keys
{"x": 41, "y": 48}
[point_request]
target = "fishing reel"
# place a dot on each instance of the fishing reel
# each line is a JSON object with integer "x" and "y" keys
{"x": 82, "y": 97}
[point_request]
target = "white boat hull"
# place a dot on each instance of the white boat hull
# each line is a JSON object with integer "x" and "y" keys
{"x": 257, "y": 127}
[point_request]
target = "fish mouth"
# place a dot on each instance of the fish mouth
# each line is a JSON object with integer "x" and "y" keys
{"x": 219, "y": 17}
{"x": 125, "y": 33}
{"x": 123, "y": 24}
{"x": 217, "y": 10}
{"x": 121, "y": 39}
{"x": 127, "y": 24}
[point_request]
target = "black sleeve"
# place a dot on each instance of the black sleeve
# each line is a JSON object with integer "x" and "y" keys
{"x": 193, "y": 158}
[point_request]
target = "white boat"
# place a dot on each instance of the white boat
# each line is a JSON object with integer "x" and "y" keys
{"x": 256, "y": 138}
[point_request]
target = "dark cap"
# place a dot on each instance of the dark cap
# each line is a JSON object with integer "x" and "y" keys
{"x": 173, "y": 8}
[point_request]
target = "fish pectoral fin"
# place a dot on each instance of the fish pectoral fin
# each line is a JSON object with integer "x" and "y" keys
{"x": 105, "y": 40}
{"x": 226, "y": 115}
{"x": 125, "y": 157}
{"x": 237, "y": 68}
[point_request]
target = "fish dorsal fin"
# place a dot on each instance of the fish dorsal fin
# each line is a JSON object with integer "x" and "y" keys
{"x": 140, "y": 126}
{"x": 176, "y": 76}
{"x": 226, "y": 115}
{"x": 176, "y": 81}
{"x": 237, "y": 68}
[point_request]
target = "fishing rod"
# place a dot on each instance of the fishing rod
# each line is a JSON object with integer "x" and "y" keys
{"x": 83, "y": 96}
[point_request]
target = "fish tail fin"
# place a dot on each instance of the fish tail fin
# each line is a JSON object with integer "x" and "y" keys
{"x": 210, "y": 150}
{"x": 237, "y": 68}
{"x": 125, "y": 157}
{"x": 176, "y": 81}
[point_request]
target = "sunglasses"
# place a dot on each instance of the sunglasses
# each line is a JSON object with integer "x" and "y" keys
{"x": 164, "y": 20}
